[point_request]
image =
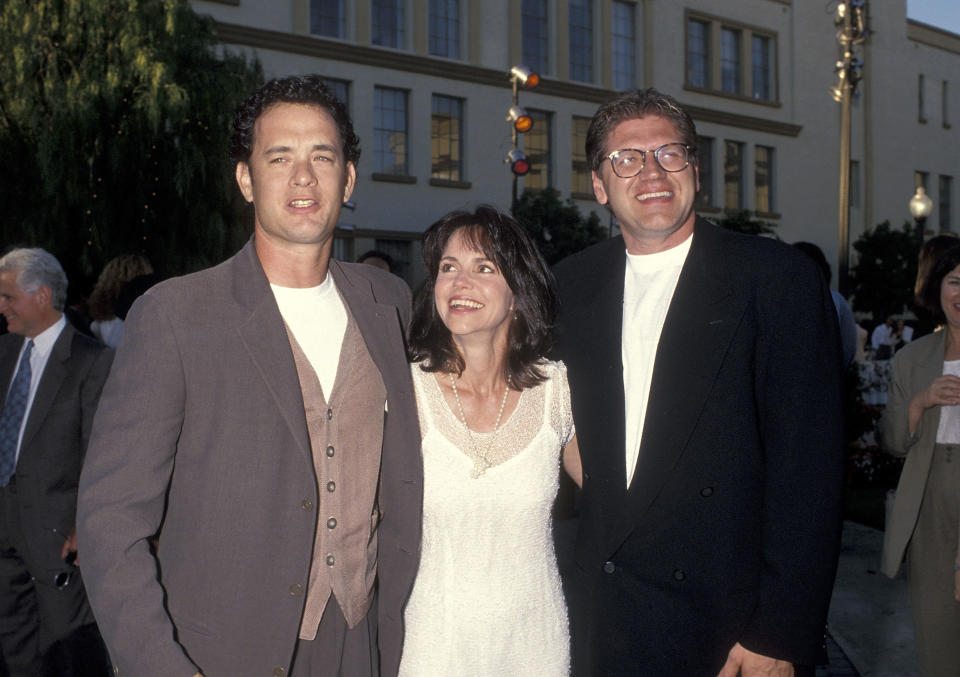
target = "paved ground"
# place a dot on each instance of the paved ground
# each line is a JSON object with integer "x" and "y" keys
{"x": 870, "y": 613}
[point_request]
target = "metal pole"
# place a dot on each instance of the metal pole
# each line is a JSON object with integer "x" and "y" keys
{"x": 516, "y": 97}
{"x": 843, "y": 216}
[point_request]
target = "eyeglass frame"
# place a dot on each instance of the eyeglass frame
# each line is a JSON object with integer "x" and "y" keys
{"x": 688, "y": 150}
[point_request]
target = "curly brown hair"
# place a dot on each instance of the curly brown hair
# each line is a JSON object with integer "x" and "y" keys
{"x": 118, "y": 271}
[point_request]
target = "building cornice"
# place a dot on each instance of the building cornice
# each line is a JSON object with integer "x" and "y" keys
{"x": 933, "y": 36}
{"x": 338, "y": 50}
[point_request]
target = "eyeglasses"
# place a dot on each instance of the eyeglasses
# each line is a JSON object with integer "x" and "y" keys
{"x": 670, "y": 157}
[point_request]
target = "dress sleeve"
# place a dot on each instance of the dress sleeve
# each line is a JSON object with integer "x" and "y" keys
{"x": 561, "y": 412}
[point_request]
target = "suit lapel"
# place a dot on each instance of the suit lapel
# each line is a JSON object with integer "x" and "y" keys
{"x": 377, "y": 323}
{"x": 52, "y": 378}
{"x": 698, "y": 328}
{"x": 265, "y": 338}
{"x": 8, "y": 364}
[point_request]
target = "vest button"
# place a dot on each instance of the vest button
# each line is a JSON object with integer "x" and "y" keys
{"x": 331, "y": 560}
{"x": 278, "y": 672}
{"x": 331, "y": 485}
{"x": 679, "y": 575}
{"x": 329, "y": 414}
{"x": 706, "y": 492}
{"x": 332, "y": 523}
{"x": 609, "y": 567}
{"x": 295, "y": 589}
{"x": 330, "y": 451}
{"x": 306, "y": 504}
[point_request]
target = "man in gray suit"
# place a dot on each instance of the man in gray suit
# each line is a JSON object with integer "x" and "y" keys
{"x": 51, "y": 377}
{"x": 255, "y": 464}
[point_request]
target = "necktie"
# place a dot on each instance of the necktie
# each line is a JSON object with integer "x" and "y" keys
{"x": 12, "y": 416}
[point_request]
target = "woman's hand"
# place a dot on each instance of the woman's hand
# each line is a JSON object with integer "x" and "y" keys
{"x": 943, "y": 392}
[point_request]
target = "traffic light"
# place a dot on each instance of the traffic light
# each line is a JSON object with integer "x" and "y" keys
{"x": 518, "y": 162}
{"x": 520, "y": 121}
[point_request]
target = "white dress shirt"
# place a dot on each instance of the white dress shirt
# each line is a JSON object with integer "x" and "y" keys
{"x": 42, "y": 347}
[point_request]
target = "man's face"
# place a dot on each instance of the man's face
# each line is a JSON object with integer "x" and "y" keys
{"x": 297, "y": 177}
{"x": 27, "y": 314}
{"x": 655, "y": 207}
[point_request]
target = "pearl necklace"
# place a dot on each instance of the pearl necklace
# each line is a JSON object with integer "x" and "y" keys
{"x": 482, "y": 460}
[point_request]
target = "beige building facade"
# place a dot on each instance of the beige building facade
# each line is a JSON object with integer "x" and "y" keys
{"x": 426, "y": 83}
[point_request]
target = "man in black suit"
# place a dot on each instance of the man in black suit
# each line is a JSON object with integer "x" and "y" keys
{"x": 704, "y": 375}
{"x": 51, "y": 378}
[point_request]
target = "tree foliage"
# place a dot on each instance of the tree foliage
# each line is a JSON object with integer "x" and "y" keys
{"x": 883, "y": 279}
{"x": 557, "y": 228}
{"x": 742, "y": 221}
{"x": 114, "y": 122}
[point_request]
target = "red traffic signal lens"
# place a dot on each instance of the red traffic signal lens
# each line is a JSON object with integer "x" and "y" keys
{"x": 518, "y": 162}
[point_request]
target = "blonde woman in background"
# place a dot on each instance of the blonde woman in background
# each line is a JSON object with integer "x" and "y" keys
{"x": 106, "y": 326}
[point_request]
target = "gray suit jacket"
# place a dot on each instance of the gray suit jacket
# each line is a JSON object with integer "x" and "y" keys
{"x": 915, "y": 366}
{"x": 55, "y": 438}
{"x": 202, "y": 439}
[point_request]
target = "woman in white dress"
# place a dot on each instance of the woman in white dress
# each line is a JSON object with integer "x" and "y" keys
{"x": 495, "y": 420}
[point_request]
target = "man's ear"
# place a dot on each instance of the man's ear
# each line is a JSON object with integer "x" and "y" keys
{"x": 44, "y": 296}
{"x": 244, "y": 181}
{"x": 351, "y": 181}
{"x": 598, "y": 190}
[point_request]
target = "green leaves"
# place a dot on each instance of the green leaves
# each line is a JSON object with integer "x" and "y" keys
{"x": 114, "y": 123}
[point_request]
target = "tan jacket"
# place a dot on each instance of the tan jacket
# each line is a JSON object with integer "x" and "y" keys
{"x": 915, "y": 367}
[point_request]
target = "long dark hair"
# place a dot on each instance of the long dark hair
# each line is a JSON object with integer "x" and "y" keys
{"x": 503, "y": 241}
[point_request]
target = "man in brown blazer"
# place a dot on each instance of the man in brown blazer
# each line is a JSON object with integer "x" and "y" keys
{"x": 50, "y": 379}
{"x": 259, "y": 428}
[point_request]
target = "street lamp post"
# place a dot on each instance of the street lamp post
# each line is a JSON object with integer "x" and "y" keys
{"x": 921, "y": 207}
{"x": 851, "y": 31}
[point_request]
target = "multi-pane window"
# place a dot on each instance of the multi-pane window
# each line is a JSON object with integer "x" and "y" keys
{"x": 733, "y": 175}
{"x": 921, "y": 112}
{"x": 580, "y": 170}
{"x": 445, "y": 28}
{"x": 327, "y": 18}
{"x": 945, "y": 185}
{"x": 763, "y": 169}
{"x": 746, "y": 58}
{"x": 580, "y": 19}
{"x": 390, "y": 131}
{"x": 730, "y": 60}
{"x": 446, "y": 138}
{"x": 340, "y": 89}
{"x": 761, "y": 66}
{"x": 536, "y": 146}
{"x": 535, "y": 30}
{"x": 623, "y": 45}
{"x": 698, "y": 53}
{"x": 387, "y": 23}
{"x": 705, "y": 163}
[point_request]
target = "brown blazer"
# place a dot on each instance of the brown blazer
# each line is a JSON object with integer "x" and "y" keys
{"x": 201, "y": 439}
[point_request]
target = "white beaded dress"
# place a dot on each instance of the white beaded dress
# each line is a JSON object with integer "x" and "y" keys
{"x": 487, "y": 599}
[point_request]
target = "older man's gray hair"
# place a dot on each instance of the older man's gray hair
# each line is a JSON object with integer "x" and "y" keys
{"x": 37, "y": 268}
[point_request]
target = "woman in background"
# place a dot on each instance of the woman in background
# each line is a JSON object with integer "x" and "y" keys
{"x": 106, "y": 326}
{"x": 922, "y": 422}
{"x": 494, "y": 416}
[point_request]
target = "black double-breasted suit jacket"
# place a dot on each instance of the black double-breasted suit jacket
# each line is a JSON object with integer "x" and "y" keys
{"x": 729, "y": 530}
